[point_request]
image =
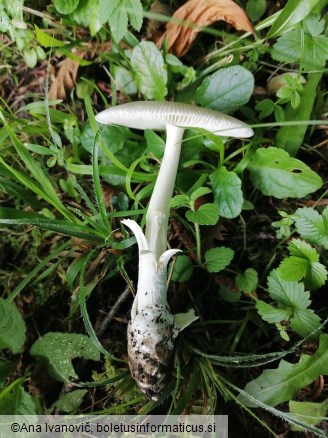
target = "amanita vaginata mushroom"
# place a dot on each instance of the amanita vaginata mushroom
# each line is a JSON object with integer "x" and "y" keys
{"x": 153, "y": 328}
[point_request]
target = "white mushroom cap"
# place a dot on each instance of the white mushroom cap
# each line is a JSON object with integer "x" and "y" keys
{"x": 157, "y": 115}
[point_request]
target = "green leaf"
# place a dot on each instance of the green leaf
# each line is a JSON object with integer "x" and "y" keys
{"x": 277, "y": 174}
{"x": 266, "y": 108}
{"x": 201, "y": 191}
{"x": 303, "y": 263}
{"x": 292, "y": 302}
{"x": 305, "y": 322}
{"x": 255, "y": 9}
{"x": 6, "y": 369}
{"x": 65, "y": 6}
{"x": 118, "y": 22}
{"x": 247, "y": 282}
{"x": 312, "y": 226}
{"x": 308, "y": 412}
{"x": 135, "y": 13}
{"x": 106, "y": 9}
{"x": 11, "y": 216}
{"x": 287, "y": 293}
{"x": 227, "y": 89}
{"x": 299, "y": 248}
{"x": 47, "y": 40}
{"x": 179, "y": 201}
{"x": 150, "y": 71}
{"x": 59, "y": 349}
{"x": 228, "y": 195}
{"x": 30, "y": 57}
{"x": 289, "y": 49}
{"x": 14, "y": 8}
{"x": 207, "y": 214}
{"x": 12, "y": 327}
{"x": 273, "y": 314}
{"x": 293, "y": 268}
{"x": 155, "y": 143}
{"x": 316, "y": 276}
{"x": 119, "y": 13}
{"x": 71, "y": 401}
{"x": 217, "y": 259}
{"x": 294, "y": 12}
{"x": 276, "y": 386}
{"x": 182, "y": 269}
{"x": 14, "y": 400}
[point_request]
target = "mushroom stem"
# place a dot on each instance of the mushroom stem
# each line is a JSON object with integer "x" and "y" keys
{"x": 158, "y": 210}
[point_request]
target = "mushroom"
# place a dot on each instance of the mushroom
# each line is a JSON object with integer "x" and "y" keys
{"x": 152, "y": 328}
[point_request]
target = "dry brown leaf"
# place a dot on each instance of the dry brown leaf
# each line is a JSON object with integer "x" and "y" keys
{"x": 201, "y": 13}
{"x": 65, "y": 79}
{"x": 66, "y": 76}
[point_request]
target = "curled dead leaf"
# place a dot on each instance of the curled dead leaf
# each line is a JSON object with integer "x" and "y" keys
{"x": 197, "y": 14}
{"x": 65, "y": 79}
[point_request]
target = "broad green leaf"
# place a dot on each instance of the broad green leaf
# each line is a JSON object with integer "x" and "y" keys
{"x": 312, "y": 226}
{"x": 135, "y": 13}
{"x": 124, "y": 80}
{"x": 6, "y": 368}
{"x": 303, "y": 263}
{"x": 87, "y": 14}
{"x": 47, "y": 40}
{"x": 30, "y": 57}
{"x": 4, "y": 22}
{"x": 155, "y": 143}
{"x": 12, "y": 327}
{"x": 276, "y": 386}
{"x": 217, "y": 259}
{"x": 94, "y": 22}
{"x": 118, "y": 22}
{"x": 14, "y": 9}
{"x": 288, "y": 49}
{"x": 106, "y": 9}
{"x": 299, "y": 248}
{"x": 150, "y": 71}
{"x": 273, "y": 314}
{"x": 207, "y": 214}
{"x": 294, "y": 12}
{"x": 119, "y": 13}
{"x": 305, "y": 322}
{"x": 293, "y": 300}
{"x": 228, "y": 195}
{"x": 182, "y": 269}
{"x": 277, "y": 174}
{"x": 287, "y": 293}
{"x": 247, "y": 282}
{"x": 308, "y": 412}
{"x": 314, "y": 25}
{"x": 71, "y": 401}
{"x": 201, "y": 191}
{"x": 59, "y": 349}
{"x": 227, "y": 89}
{"x": 255, "y": 9}
{"x": 316, "y": 276}
{"x": 293, "y": 268}
{"x": 179, "y": 201}
{"x": 65, "y": 6}
{"x": 14, "y": 400}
